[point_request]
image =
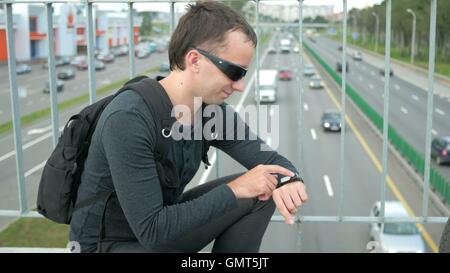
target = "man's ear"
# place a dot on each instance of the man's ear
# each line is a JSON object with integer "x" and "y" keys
{"x": 192, "y": 60}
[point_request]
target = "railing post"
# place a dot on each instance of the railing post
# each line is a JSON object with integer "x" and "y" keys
{"x": 53, "y": 87}
{"x": 23, "y": 202}
{"x": 131, "y": 39}
{"x": 90, "y": 53}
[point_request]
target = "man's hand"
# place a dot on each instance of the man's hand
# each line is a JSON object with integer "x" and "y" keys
{"x": 258, "y": 182}
{"x": 288, "y": 198}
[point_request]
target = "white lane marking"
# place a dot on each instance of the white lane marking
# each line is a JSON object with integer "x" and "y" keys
{"x": 269, "y": 141}
{"x": 28, "y": 145}
{"x": 39, "y": 130}
{"x": 106, "y": 81}
{"x": 439, "y": 111}
{"x": 397, "y": 87}
{"x": 416, "y": 98}
{"x": 313, "y": 134}
{"x": 371, "y": 86}
{"x": 434, "y": 132}
{"x": 35, "y": 168}
{"x": 305, "y": 106}
{"x": 404, "y": 110}
{"x": 206, "y": 173}
{"x": 326, "y": 179}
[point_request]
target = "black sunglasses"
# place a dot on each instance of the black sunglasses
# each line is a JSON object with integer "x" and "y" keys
{"x": 233, "y": 71}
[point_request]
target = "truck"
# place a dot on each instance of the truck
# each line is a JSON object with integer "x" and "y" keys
{"x": 267, "y": 85}
{"x": 285, "y": 45}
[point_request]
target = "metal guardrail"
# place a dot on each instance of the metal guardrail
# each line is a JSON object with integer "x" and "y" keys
{"x": 388, "y": 133}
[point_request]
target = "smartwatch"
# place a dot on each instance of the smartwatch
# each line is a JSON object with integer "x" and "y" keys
{"x": 289, "y": 179}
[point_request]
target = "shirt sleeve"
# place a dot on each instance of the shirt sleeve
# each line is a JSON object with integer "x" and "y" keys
{"x": 128, "y": 139}
{"x": 249, "y": 150}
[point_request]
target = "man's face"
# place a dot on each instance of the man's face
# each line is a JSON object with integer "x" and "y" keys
{"x": 213, "y": 85}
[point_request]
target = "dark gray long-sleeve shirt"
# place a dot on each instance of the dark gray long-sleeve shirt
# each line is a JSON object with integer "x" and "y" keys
{"x": 121, "y": 159}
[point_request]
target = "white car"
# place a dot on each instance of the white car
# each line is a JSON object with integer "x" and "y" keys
{"x": 357, "y": 56}
{"x": 395, "y": 237}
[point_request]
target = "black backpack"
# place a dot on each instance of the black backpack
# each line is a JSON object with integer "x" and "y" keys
{"x": 61, "y": 176}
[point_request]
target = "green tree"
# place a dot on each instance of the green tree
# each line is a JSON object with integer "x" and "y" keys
{"x": 146, "y": 26}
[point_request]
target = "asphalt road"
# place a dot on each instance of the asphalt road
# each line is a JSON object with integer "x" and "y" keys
{"x": 407, "y": 101}
{"x": 33, "y": 83}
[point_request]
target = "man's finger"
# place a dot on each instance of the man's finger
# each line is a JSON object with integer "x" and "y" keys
{"x": 279, "y": 170}
{"x": 289, "y": 219}
{"x": 302, "y": 192}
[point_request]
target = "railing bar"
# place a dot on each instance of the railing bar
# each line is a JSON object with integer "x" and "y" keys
{"x": 90, "y": 53}
{"x": 343, "y": 113}
{"x": 15, "y": 103}
{"x": 53, "y": 87}
{"x": 131, "y": 39}
{"x": 431, "y": 63}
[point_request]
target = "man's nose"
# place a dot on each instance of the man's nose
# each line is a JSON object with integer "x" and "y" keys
{"x": 238, "y": 85}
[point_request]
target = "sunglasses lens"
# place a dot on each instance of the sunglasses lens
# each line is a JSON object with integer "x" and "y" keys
{"x": 235, "y": 73}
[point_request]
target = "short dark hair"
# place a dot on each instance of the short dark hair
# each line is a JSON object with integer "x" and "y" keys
{"x": 206, "y": 23}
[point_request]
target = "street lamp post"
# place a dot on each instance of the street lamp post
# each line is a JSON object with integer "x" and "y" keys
{"x": 376, "y": 30}
{"x": 413, "y": 39}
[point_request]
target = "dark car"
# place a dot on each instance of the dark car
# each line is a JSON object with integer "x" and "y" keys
{"x": 285, "y": 74}
{"x": 59, "y": 87}
{"x": 440, "y": 150}
{"x": 316, "y": 83}
{"x": 391, "y": 72}
{"x": 99, "y": 65}
{"x": 339, "y": 67}
{"x": 22, "y": 69}
{"x": 66, "y": 74}
{"x": 272, "y": 50}
{"x": 340, "y": 48}
{"x": 331, "y": 121}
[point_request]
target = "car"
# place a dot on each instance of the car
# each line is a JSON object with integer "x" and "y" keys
{"x": 391, "y": 72}
{"x": 339, "y": 67}
{"x": 296, "y": 49}
{"x": 395, "y": 237}
{"x": 164, "y": 67}
{"x": 440, "y": 150}
{"x": 331, "y": 120}
{"x": 23, "y": 69}
{"x": 141, "y": 54}
{"x": 82, "y": 65}
{"x": 309, "y": 70}
{"x": 340, "y": 48}
{"x": 99, "y": 65}
{"x": 316, "y": 83}
{"x": 66, "y": 74}
{"x": 357, "y": 56}
{"x": 78, "y": 59}
{"x": 106, "y": 58}
{"x": 285, "y": 74}
{"x": 272, "y": 50}
{"x": 59, "y": 87}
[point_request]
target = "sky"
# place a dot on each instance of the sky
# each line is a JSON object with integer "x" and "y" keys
{"x": 337, "y": 3}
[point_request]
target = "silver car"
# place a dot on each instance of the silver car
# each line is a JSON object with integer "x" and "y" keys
{"x": 395, "y": 237}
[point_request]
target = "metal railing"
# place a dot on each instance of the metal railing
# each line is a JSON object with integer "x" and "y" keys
{"x": 345, "y": 90}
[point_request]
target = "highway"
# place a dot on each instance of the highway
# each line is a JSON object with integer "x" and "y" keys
{"x": 408, "y": 102}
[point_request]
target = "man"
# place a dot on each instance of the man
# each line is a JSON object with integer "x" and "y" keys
{"x": 234, "y": 210}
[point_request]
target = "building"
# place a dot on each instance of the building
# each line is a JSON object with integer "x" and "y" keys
{"x": 69, "y": 28}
